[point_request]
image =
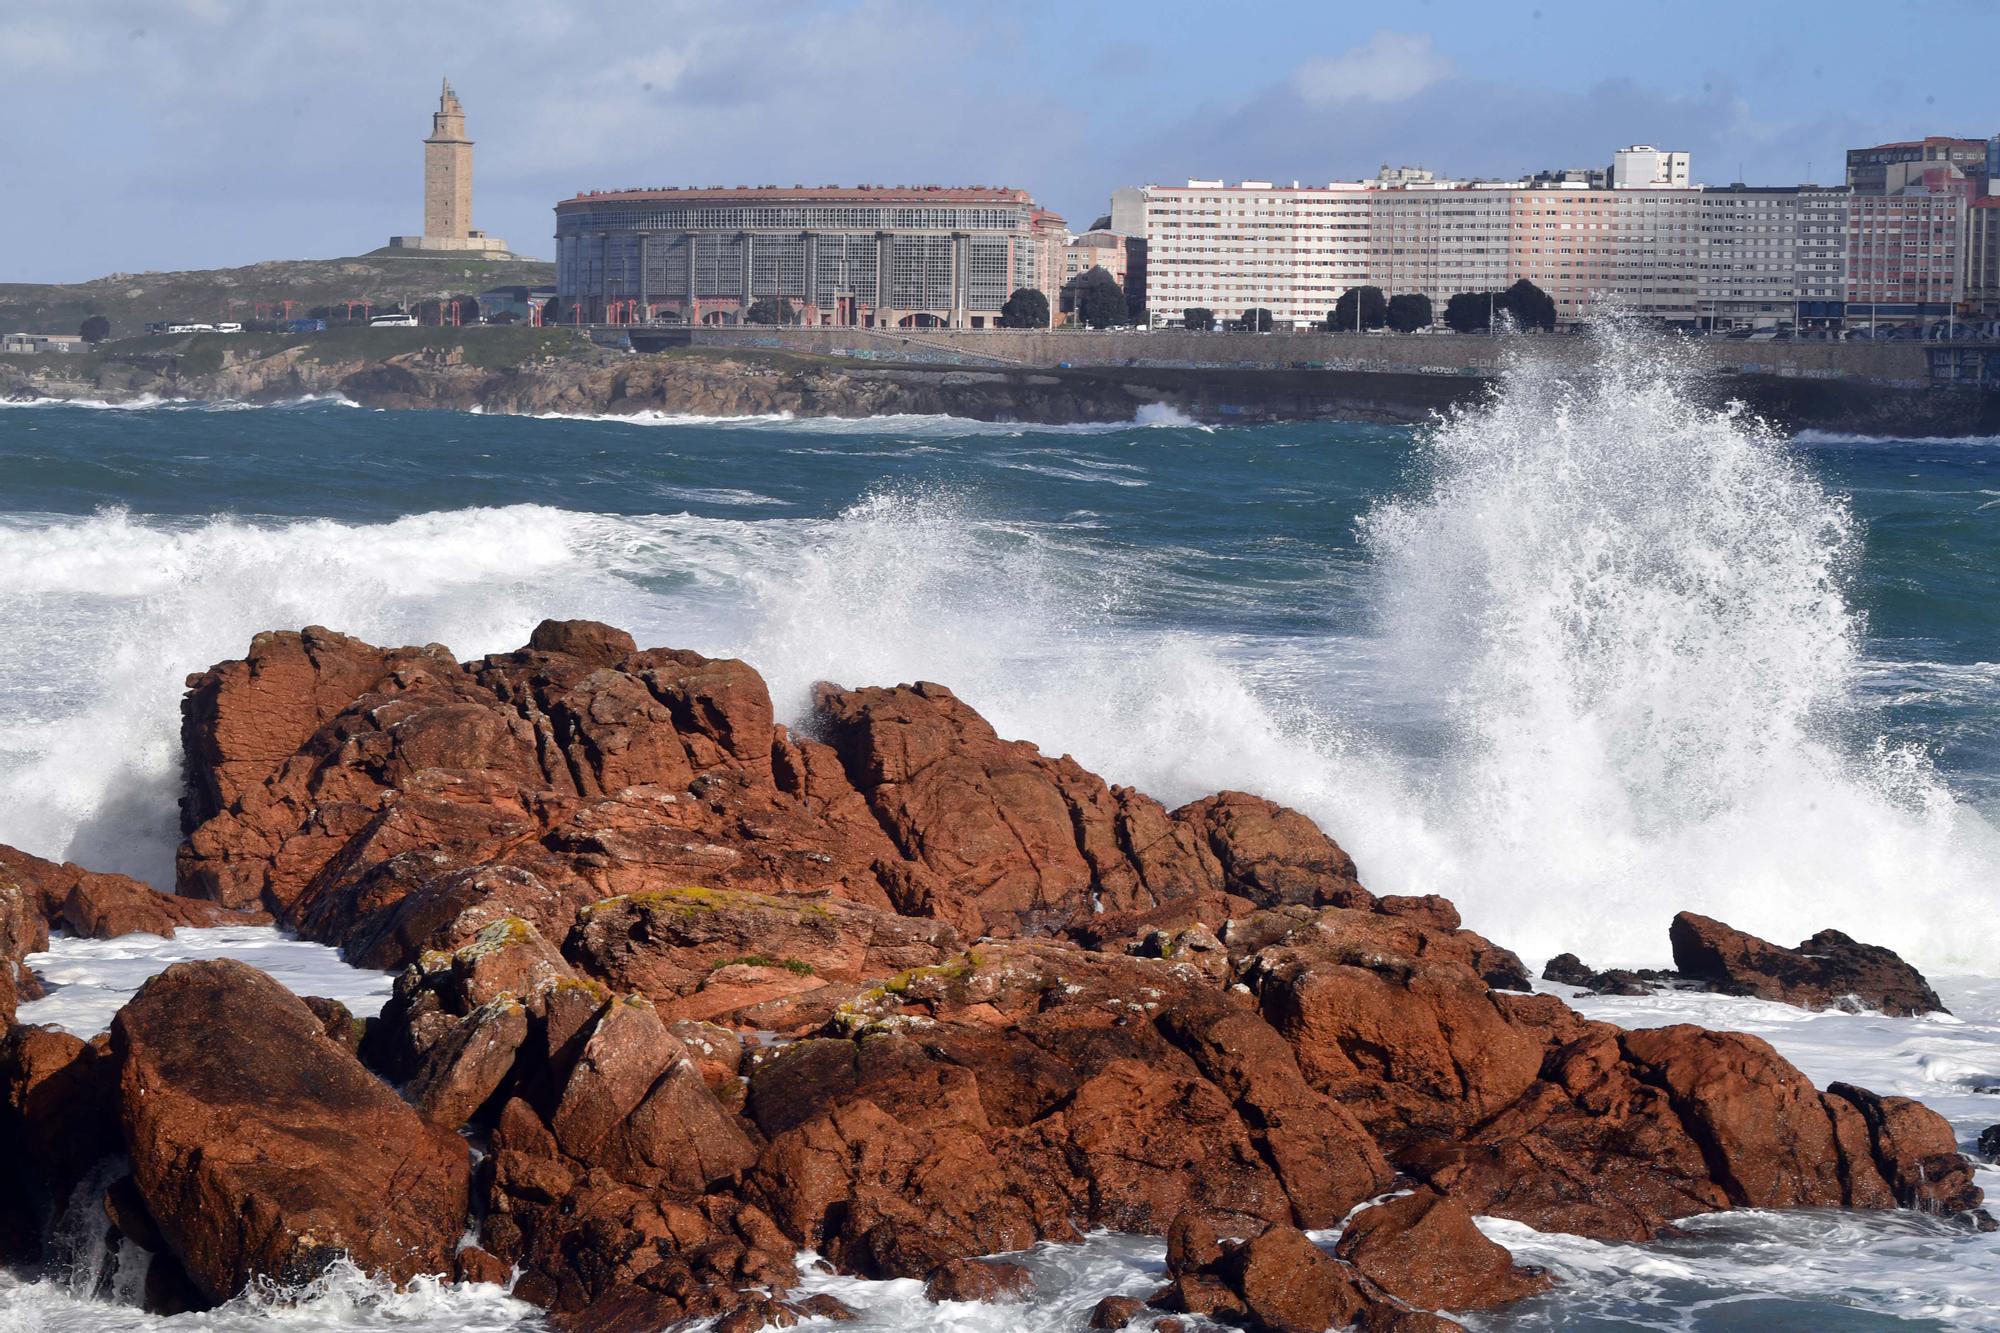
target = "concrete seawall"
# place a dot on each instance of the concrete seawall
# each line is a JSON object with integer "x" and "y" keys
{"x": 1901, "y": 364}
{"x": 1888, "y": 389}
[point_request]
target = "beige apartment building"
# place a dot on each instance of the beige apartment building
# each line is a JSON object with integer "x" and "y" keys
{"x": 1051, "y": 238}
{"x": 1732, "y": 257}
{"x": 1906, "y": 255}
{"x": 1098, "y": 249}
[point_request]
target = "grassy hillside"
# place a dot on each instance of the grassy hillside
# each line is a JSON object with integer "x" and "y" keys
{"x": 132, "y": 300}
{"x": 119, "y": 360}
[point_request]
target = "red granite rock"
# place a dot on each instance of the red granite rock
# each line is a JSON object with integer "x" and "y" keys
{"x": 263, "y": 1149}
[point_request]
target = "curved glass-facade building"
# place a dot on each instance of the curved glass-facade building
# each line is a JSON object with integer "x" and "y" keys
{"x": 876, "y": 257}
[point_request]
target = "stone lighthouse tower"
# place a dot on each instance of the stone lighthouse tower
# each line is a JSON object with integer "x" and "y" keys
{"x": 448, "y": 187}
{"x": 448, "y": 170}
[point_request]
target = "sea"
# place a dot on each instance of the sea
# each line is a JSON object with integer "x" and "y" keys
{"x": 1578, "y": 657}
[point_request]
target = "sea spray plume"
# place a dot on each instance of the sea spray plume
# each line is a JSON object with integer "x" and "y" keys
{"x": 110, "y": 612}
{"x": 1629, "y": 574}
{"x": 1630, "y": 606}
{"x": 914, "y": 583}
{"x": 1032, "y": 624}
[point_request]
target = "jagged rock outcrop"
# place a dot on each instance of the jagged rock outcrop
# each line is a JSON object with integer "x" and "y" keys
{"x": 416, "y": 791}
{"x": 1278, "y": 1281}
{"x": 1828, "y": 971}
{"x": 894, "y": 988}
{"x": 57, "y": 1120}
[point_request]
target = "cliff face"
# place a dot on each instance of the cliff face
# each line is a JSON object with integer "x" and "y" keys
{"x": 535, "y": 372}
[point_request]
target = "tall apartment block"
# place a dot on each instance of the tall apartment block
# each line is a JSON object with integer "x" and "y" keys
{"x": 1806, "y": 257}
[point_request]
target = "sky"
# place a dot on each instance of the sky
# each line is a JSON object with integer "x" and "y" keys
{"x": 173, "y": 134}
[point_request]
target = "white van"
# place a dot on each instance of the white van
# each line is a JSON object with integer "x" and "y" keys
{"x": 393, "y": 322}
{"x": 229, "y": 328}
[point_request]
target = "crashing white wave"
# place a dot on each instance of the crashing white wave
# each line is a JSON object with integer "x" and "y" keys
{"x": 137, "y": 404}
{"x": 88, "y": 981}
{"x": 147, "y": 402}
{"x": 901, "y": 424}
{"x": 1631, "y": 611}
{"x": 1826, "y": 437}
{"x": 342, "y": 1298}
{"x": 102, "y": 617}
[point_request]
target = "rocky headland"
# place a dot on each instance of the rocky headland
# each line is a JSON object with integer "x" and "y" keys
{"x": 683, "y": 991}
{"x": 543, "y": 372}
{"x": 514, "y": 370}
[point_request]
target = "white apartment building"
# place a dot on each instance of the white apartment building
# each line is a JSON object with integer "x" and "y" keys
{"x": 1289, "y": 249}
{"x": 1720, "y": 258}
{"x": 1438, "y": 239}
{"x": 1644, "y": 167}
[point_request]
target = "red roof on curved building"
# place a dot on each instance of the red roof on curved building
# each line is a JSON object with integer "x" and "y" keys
{"x": 818, "y": 194}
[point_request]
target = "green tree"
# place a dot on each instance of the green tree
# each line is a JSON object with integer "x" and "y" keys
{"x": 1096, "y": 298}
{"x": 1027, "y": 308}
{"x": 1199, "y": 317}
{"x": 770, "y": 310}
{"x": 1256, "y": 320}
{"x": 95, "y": 329}
{"x": 1374, "y": 310}
{"x": 1531, "y": 307}
{"x": 1409, "y": 312}
{"x": 437, "y": 310}
{"x": 1467, "y": 311}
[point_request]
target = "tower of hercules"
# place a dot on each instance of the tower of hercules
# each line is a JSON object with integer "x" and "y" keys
{"x": 448, "y": 188}
{"x": 448, "y": 170}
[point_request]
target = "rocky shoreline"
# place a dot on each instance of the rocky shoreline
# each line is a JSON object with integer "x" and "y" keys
{"x": 703, "y": 992}
{"x": 583, "y": 380}
{"x": 552, "y": 372}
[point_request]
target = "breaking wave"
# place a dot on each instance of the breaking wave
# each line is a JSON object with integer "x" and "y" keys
{"x": 1610, "y": 669}
{"x": 1631, "y": 610}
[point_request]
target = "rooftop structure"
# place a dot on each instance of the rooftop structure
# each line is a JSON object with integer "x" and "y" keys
{"x": 1871, "y": 170}
{"x": 1644, "y": 167}
{"x": 41, "y": 342}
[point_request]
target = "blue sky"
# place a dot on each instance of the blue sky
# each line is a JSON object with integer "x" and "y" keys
{"x": 153, "y": 134}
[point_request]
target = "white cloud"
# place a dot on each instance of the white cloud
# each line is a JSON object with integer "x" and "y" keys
{"x": 1389, "y": 67}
